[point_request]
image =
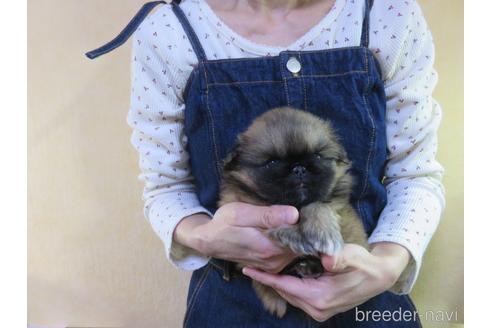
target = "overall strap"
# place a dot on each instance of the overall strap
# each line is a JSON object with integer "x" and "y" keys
{"x": 127, "y": 32}
{"x": 364, "y": 39}
{"x": 192, "y": 37}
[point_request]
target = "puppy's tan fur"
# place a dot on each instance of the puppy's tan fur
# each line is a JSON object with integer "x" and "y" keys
{"x": 325, "y": 224}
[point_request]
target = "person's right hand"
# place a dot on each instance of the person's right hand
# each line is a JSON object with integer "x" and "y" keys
{"x": 236, "y": 233}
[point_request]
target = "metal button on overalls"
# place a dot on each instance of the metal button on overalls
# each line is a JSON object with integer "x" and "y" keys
{"x": 293, "y": 65}
{"x": 223, "y": 97}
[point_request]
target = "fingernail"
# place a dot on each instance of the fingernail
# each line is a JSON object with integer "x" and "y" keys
{"x": 290, "y": 214}
{"x": 245, "y": 271}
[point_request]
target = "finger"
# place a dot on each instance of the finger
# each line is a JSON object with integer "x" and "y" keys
{"x": 328, "y": 262}
{"x": 316, "y": 314}
{"x": 351, "y": 306}
{"x": 343, "y": 300}
{"x": 351, "y": 257}
{"x": 334, "y": 264}
{"x": 283, "y": 260}
{"x": 324, "y": 312}
{"x": 276, "y": 264}
{"x": 265, "y": 217}
{"x": 349, "y": 288}
{"x": 294, "y": 301}
{"x": 345, "y": 308}
{"x": 284, "y": 283}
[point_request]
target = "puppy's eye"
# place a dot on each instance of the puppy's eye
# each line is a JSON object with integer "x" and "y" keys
{"x": 318, "y": 156}
{"x": 271, "y": 162}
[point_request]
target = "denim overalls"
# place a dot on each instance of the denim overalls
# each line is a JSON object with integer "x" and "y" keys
{"x": 222, "y": 98}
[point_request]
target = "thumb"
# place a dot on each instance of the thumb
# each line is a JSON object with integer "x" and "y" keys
{"x": 345, "y": 261}
{"x": 329, "y": 262}
{"x": 265, "y": 217}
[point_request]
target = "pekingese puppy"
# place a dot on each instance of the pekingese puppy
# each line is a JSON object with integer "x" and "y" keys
{"x": 292, "y": 157}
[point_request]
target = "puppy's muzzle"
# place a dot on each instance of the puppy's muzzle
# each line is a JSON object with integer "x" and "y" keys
{"x": 299, "y": 170}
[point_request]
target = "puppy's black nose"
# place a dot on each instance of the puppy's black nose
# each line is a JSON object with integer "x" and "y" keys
{"x": 299, "y": 170}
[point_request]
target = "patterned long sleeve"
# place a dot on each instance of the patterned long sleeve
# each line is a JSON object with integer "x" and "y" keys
{"x": 156, "y": 116}
{"x": 413, "y": 176}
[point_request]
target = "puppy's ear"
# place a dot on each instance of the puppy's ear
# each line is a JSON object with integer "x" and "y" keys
{"x": 231, "y": 161}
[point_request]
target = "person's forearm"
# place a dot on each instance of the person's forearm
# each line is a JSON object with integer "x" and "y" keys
{"x": 183, "y": 234}
{"x": 394, "y": 256}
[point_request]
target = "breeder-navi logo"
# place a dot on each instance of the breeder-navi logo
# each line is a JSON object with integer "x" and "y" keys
{"x": 404, "y": 315}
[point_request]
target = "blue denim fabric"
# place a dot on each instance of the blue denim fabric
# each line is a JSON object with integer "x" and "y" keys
{"x": 215, "y": 302}
{"x": 223, "y": 97}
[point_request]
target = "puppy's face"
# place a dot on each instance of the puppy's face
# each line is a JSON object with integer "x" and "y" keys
{"x": 287, "y": 157}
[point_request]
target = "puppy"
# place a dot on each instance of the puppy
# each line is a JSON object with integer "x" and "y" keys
{"x": 291, "y": 157}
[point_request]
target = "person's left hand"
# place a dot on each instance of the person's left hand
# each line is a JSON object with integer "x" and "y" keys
{"x": 351, "y": 278}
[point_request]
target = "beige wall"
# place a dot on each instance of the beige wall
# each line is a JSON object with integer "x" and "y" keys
{"x": 92, "y": 258}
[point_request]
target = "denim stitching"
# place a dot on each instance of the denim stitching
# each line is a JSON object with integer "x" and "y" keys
{"x": 242, "y": 82}
{"x": 212, "y": 124}
{"x": 297, "y": 76}
{"x": 217, "y": 266}
{"x": 373, "y": 134}
{"x": 287, "y": 78}
{"x": 338, "y": 74}
{"x": 286, "y": 88}
{"x": 217, "y": 61}
{"x": 193, "y": 298}
{"x": 323, "y": 50}
{"x": 284, "y": 79}
{"x": 303, "y": 84}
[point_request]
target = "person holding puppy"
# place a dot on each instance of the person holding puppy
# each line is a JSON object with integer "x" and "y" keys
{"x": 204, "y": 69}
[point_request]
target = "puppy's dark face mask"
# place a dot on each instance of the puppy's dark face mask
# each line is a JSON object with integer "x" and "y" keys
{"x": 287, "y": 157}
{"x": 296, "y": 178}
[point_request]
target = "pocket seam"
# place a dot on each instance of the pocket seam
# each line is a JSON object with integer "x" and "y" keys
{"x": 195, "y": 293}
{"x": 368, "y": 162}
{"x": 211, "y": 124}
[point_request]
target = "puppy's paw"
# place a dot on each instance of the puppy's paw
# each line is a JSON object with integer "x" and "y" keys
{"x": 323, "y": 232}
{"x": 292, "y": 238}
{"x": 328, "y": 242}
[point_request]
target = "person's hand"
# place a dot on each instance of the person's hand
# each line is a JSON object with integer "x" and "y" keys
{"x": 236, "y": 233}
{"x": 353, "y": 276}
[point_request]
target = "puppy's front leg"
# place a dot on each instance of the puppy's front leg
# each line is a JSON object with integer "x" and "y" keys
{"x": 293, "y": 238}
{"x": 318, "y": 231}
{"x": 320, "y": 225}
